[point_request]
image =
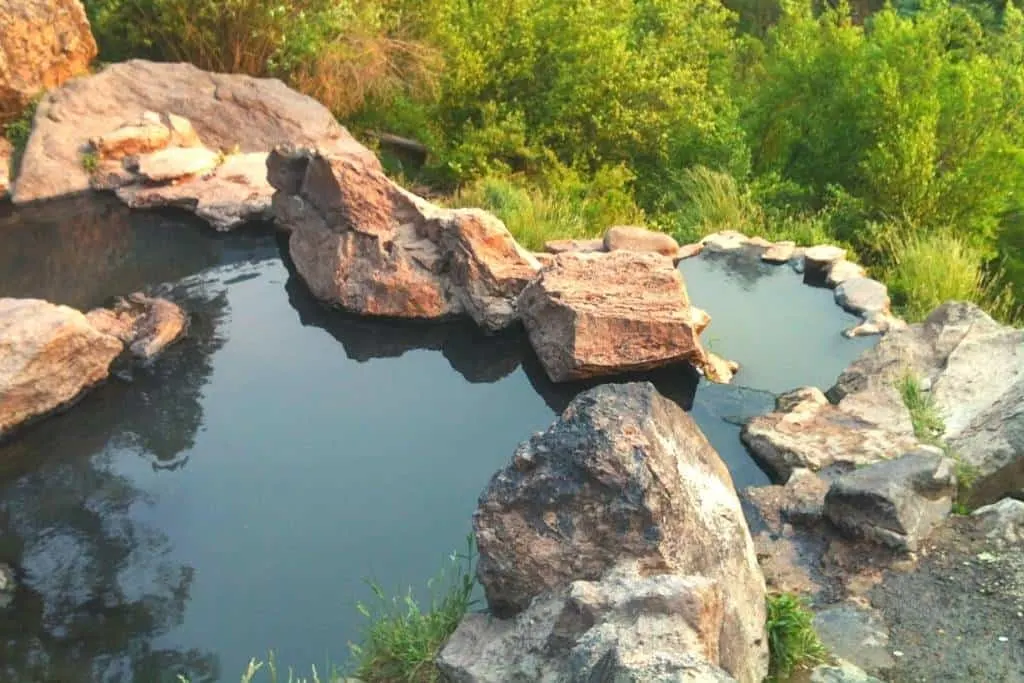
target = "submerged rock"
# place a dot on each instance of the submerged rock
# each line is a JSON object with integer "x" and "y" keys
{"x": 974, "y": 367}
{"x": 635, "y": 238}
{"x": 145, "y": 325}
{"x": 591, "y": 315}
{"x": 43, "y": 43}
{"x": 807, "y": 431}
{"x": 896, "y": 503}
{"x": 363, "y": 243}
{"x": 49, "y": 355}
{"x": 624, "y": 475}
{"x": 226, "y": 111}
{"x": 629, "y": 626}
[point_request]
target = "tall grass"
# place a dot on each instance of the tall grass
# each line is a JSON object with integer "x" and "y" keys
{"x": 927, "y": 269}
{"x": 534, "y": 215}
{"x": 402, "y": 641}
{"x": 714, "y": 201}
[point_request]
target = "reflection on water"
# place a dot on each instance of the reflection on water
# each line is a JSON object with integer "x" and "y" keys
{"x": 233, "y": 497}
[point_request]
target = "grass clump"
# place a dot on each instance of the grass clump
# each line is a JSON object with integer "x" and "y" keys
{"x": 403, "y": 640}
{"x": 792, "y": 642}
{"x": 18, "y": 132}
{"x": 90, "y": 161}
{"x": 924, "y": 415}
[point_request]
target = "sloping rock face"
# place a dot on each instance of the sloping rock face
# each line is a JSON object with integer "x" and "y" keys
{"x": 896, "y": 503}
{"x": 48, "y": 356}
{"x": 363, "y": 243}
{"x": 226, "y": 110}
{"x": 145, "y": 325}
{"x": 43, "y": 43}
{"x": 590, "y": 315}
{"x": 806, "y": 431}
{"x": 624, "y": 477}
{"x": 974, "y": 367}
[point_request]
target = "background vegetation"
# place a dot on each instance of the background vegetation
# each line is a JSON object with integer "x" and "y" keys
{"x": 897, "y": 130}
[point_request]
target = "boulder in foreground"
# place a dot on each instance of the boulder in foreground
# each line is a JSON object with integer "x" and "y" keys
{"x": 625, "y": 478}
{"x": 49, "y": 355}
{"x": 363, "y": 243}
{"x": 590, "y": 315}
{"x": 42, "y": 44}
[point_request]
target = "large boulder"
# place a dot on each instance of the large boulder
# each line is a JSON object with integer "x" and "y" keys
{"x": 43, "y": 43}
{"x": 806, "y": 431}
{"x": 896, "y": 503}
{"x": 590, "y": 315}
{"x": 228, "y": 112}
{"x": 49, "y": 355}
{"x": 629, "y": 627}
{"x": 624, "y": 475}
{"x": 974, "y": 370}
{"x": 363, "y": 243}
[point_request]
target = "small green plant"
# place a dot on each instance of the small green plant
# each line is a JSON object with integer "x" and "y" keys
{"x": 966, "y": 475}
{"x": 18, "y": 132}
{"x": 402, "y": 640}
{"x": 924, "y": 415}
{"x": 792, "y": 642}
{"x": 273, "y": 675}
{"x": 90, "y": 161}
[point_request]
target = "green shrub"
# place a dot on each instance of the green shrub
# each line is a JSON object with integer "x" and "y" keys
{"x": 18, "y": 132}
{"x": 792, "y": 642}
{"x": 566, "y": 208}
{"x": 402, "y": 641}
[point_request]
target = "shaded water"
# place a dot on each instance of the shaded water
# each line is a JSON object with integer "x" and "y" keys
{"x": 234, "y": 497}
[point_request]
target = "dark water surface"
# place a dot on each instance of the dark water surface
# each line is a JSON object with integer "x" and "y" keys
{"x": 234, "y": 497}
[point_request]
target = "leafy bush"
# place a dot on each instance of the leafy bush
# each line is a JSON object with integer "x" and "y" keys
{"x": 792, "y": 642}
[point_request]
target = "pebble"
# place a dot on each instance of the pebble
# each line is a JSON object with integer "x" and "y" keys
{"x": 897, "y": 653}
{"x": 1003, "y": 639}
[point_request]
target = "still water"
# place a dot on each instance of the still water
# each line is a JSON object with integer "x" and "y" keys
{"x": 236, "y": 496}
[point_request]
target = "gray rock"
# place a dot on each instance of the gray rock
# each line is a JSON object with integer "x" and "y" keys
{"x": 807, "y": 431}
{"x": 624, "y": 474}
{"x": 818, "y": 261}
{"x": 841, "y": 672}
{"x": 1002, "y": 522}
{"x": 780, "y": 252}
{"x": 7, "y": 585}
{"x": 628, "y": 627}
{"x": 862, "y": 295}
{"x": 726, "y": 240}
{"x": 896, "y": 503}
{"x": 976, "y": 370}
{"x": 841, "y": 271}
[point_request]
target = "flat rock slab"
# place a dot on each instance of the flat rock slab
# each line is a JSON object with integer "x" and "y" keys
{"x": 863, "y": 296}
{"x": 234, "y": 193}
{"x": 635, "y": 238}
{"x": 806, "y": 431}
{"x": 726, "y": 240}
{"x": 568, "y": 245}
{"x": 818, "y": 261}
{"x": 896, "y": 503}
{"x": 590, "y": 315}
{"x": 780, "y": 252}
{"x": 841, "y": 271}
{"x": 227, "y": 110}
{"x": 49, "y": 355}
{"x": 175, "y": 163}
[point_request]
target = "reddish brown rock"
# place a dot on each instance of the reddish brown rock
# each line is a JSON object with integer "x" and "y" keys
{"x": 689, "y": 251}
{"x": 600, "y": 314}
{"x": 43, "y": 43}
{"x": 636, "y": 238}
{"x": 363, "y": 243}
{"x": 49, "y": 355}
{"x": 227, "y": 111}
